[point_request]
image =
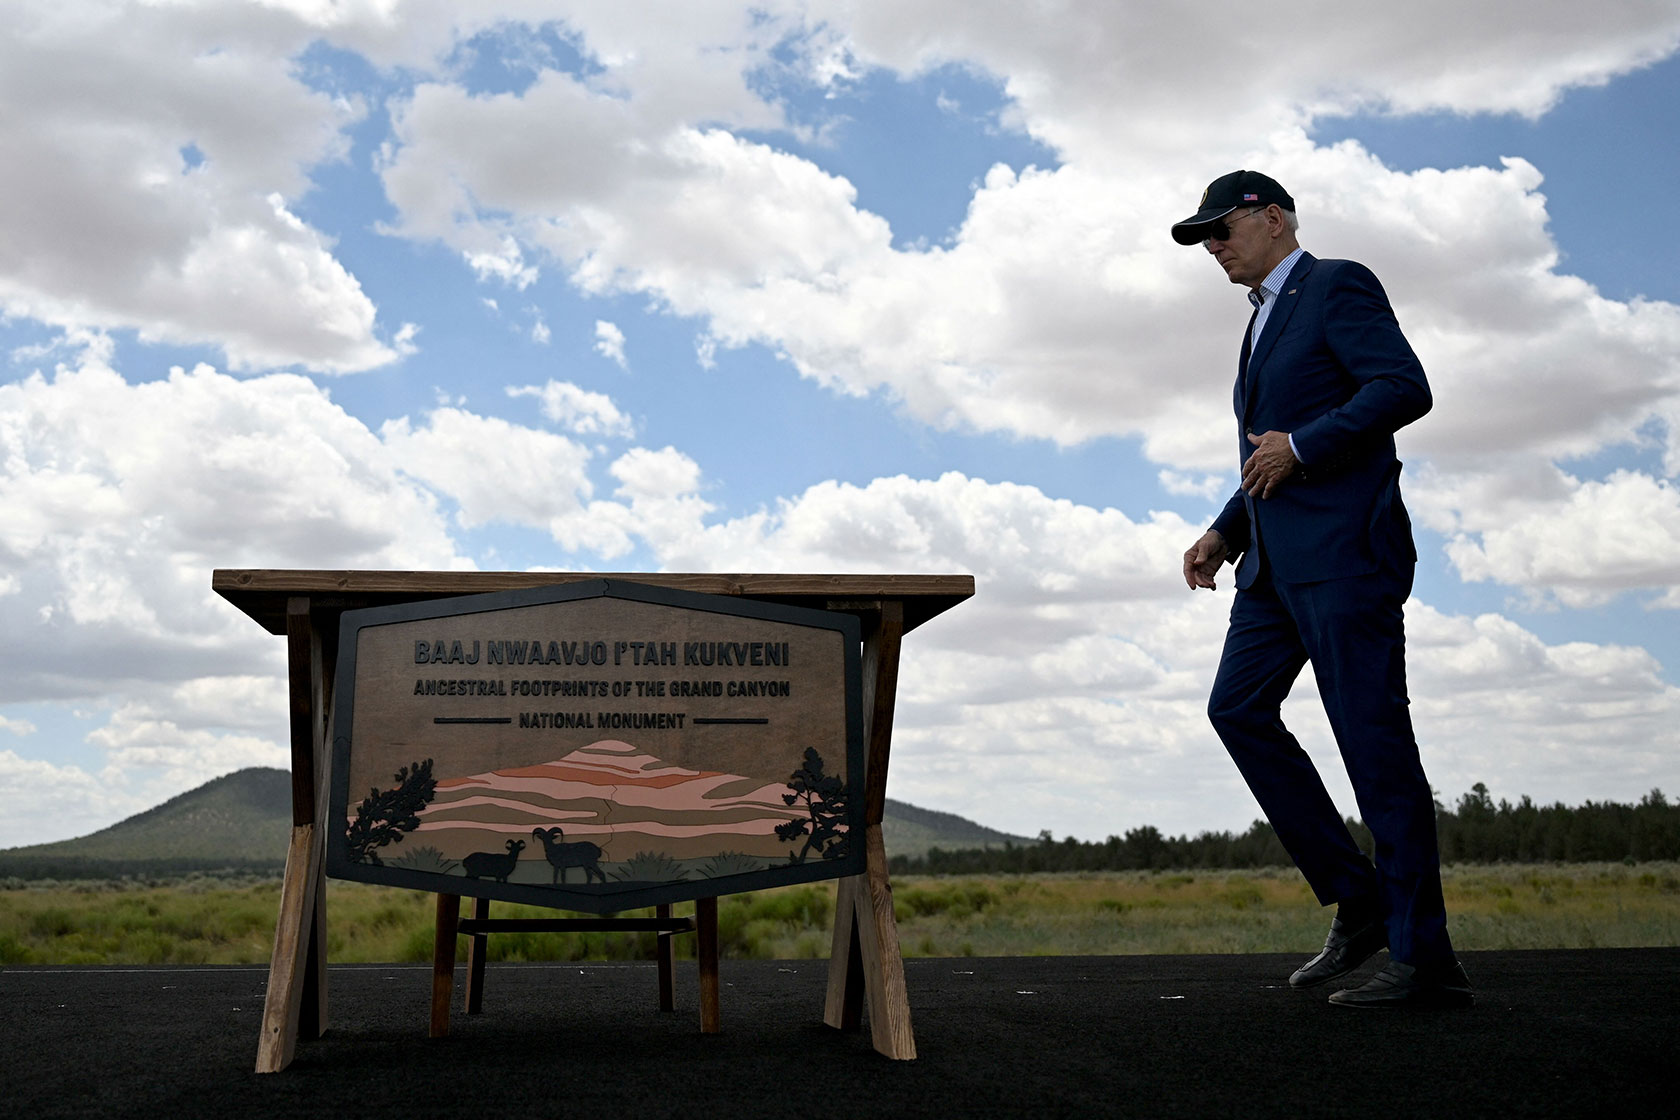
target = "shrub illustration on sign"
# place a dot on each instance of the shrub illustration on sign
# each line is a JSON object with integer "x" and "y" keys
{"x": 385, "y": 817}
{"x": 825, "y": 801}
{"x": 563, "y": 855}
{"x": 725, "y": 864}
{"x": 655, "y": 867}
{"x": 428, "y": 859}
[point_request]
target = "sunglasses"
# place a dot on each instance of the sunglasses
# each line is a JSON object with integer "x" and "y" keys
{"x": 1221, "y": 230}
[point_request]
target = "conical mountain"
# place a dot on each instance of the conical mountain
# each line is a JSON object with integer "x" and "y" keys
{"x": 241, "y": 822}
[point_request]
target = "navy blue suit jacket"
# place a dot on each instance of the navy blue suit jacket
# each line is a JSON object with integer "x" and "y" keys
{"x": 1332, "y": 369}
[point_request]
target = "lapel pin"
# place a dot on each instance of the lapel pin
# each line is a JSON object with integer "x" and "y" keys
{"x": 1292, "y": 291}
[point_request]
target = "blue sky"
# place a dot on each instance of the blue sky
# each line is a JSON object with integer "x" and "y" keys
{"x": 815, "y": 288}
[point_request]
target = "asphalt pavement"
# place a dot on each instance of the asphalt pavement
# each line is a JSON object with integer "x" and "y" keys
{"x": 1553, "y": 1033}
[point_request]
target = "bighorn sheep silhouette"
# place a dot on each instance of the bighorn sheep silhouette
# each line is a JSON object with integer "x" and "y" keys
{"x": 579, "y": 853}
{"x": 493, "y": 865}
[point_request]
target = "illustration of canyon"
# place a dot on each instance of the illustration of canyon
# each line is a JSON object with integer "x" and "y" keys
{"x": 650, "y": 820}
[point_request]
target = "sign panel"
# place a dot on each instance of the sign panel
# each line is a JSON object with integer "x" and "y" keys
{"x": 596, "y": 746}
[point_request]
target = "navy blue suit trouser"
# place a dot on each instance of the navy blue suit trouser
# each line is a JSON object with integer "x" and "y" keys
{"x": 1352, "y": 632}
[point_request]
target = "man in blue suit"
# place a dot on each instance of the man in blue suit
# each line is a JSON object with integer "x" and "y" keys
{"x": 1324, "y": 556}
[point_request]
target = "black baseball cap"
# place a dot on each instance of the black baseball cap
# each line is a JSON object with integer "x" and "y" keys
{"x": 1227, "y": 193}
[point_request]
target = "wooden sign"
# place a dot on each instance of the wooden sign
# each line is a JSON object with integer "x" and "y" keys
{"x": 596, "y": 746}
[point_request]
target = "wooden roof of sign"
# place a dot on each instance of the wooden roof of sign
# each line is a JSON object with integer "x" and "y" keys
{"x": 262, "y": 592}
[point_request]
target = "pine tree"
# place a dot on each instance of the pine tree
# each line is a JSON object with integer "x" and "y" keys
{"x": 826, "y": 803}
{"x": 384, "y": 817}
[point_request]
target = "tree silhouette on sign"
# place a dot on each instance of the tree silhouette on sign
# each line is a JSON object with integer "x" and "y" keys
{"x": 825, "y": 799}
{"x": 384, "y": 817}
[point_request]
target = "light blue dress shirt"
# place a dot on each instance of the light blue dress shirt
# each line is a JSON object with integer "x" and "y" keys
{"x": 1263, "y": 299}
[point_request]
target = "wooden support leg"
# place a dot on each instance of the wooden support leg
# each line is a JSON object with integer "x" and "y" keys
{"x": 296, "y": 1003}
{"x": 312, "y": 1015}
{"x": 323, "y": 658}
{"x": 706, "y": 949}
{"x": 443, "y": 962}
{"x": 866, "y": 964}
{"x": 478, "y": 948}
{"x": 666, "y": 953}
{"x": 844, "y": 1009}
{"x": 283, "y": 1005}
{"x": 866, "y": 942}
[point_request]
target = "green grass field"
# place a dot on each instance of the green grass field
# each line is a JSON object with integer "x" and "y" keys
{"x": 205, "y": 921}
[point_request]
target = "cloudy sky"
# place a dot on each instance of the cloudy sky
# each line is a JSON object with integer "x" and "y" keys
{"x": 807, "y": 286}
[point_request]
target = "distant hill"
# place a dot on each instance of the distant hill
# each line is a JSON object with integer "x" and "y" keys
{"x": 242, "y": 822}
{"x": 910, "y": 831}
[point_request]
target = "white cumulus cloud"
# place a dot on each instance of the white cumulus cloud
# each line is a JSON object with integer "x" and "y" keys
{"x": 578, "y": 410}
{"x": 153, "y": 160}
{"x": 609, "y": 342}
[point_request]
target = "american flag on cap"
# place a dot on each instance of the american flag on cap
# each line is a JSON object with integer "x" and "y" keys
{"x": 1245, "y": 189}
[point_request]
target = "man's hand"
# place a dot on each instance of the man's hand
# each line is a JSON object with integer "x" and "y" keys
{"x": 1202, "y": 561}
{"x": 1271, "y": 462}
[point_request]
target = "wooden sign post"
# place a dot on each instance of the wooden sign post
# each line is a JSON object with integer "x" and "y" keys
{"x": 430, "y": 749}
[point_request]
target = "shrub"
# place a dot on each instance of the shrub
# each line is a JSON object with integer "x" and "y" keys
{"x": 427, "y": 859}
{"x": 651, "y": 867}
{"x": 731, "y": 863}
